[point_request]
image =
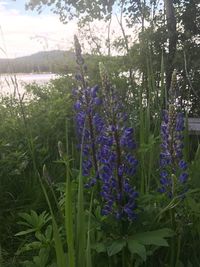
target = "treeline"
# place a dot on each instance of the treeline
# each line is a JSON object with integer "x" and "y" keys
{"x": 48, "y": 61}
{"x": 55, "y": 61}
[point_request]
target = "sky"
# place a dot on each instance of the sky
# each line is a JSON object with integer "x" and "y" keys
{"x": 25, "y": 32}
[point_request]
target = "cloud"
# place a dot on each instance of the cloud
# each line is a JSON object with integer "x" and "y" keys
{"x": 23, "y": 34}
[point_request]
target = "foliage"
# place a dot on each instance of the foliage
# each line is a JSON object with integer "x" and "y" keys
{"x": 152, "y": 40}
{"x": 45, "y": 190}
{"x": 28, "y": 137}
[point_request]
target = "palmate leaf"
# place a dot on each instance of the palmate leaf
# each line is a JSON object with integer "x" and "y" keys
{"x": 137, "y": 248}
{"x": 34, "y": 220}
{"x": 116, "y": 247}
{"x": 154, "y": 237}
{"x": 99, "y": 247}
{"x": 137, "y": 243}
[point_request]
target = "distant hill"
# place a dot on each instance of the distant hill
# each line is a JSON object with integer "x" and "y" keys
{"x": 55, "y": 61}
{"x": 62, "y": 62}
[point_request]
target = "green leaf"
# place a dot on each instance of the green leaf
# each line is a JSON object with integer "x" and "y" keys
{"x": 29, "y": 247}
{"x": 69, "y": 214}
{"x": 48, "y": 232}
{"x": 80, "y": 227}
{"x": 60, "y": 255}
{"x": 137, "y": 248}
{"x": 99, "y": 247}
{"x": 26, "y": 217}
{"x": 23, "y": 223}
{"x": 116, "y": 247}
{"x": 40, "y": 236}
{"x": 193, "y": 206}
{"x": 34, "y": 245}
{"x": 165, "y": 232}
{"x": 34, "y": 218}
{"x": 25, "y": 232}
{"x": 154, "y": 237}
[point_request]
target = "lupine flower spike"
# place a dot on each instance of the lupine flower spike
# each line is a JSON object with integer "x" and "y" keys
{"x": 118, "y": 165}
{"x": 173, "y": 167}
{"x": 87, "y": 119}
{"x": 107, "y": 143}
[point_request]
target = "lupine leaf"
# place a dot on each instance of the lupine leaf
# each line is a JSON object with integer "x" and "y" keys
{"x": 100, "y": 247}
{"x": 137, "y": 248}
{"x": 116, "y": 247}
{"x": 154, "y": 237}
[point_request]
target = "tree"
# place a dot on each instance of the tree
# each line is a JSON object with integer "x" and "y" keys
{"x": 172, "y": 35}
{"x": 168, "y": 27}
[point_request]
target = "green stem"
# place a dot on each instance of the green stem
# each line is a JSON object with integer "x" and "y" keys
{"x": 69, "y": 219}
{"x": 178, "y": 250}
{"x": 173, "y": 241}
{"x": 68, "y": 208}
{"x": 124, "y": 258}
{"x": 60, "y": 255}
{"x": 88, "y": 248}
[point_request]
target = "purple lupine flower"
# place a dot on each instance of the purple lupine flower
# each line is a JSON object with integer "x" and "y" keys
{"x": 87, "y": 119}
{"x": 118, "y": 164}
{"x": 89, "y": 125}
{"x": 182, "y": 165}
{"x": 107, "y": 144}
{"x": 183, "y": 177}
{"x": 180, "y": 122}
{"x": 171, "y": 156}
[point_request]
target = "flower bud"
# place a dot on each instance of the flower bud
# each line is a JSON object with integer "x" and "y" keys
{"x": 172, "y": 91}
{"x": 60, "y": 149}
{"x": 78, "y": 51}
{"x": 103, "y": 74}
{"x": 46, "y": 174}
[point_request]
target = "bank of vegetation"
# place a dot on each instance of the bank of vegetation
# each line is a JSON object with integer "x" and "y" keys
{"x": 99, "y": 168}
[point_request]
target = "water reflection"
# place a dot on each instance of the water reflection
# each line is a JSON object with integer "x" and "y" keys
{"x": 9, "y": 82}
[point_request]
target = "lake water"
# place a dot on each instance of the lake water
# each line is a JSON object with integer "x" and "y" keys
{"x": 9, "y": 82}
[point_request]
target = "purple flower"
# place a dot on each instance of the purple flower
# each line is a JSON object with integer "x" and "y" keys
{"x": 164, "y": 174}
{"x": 89, "y": 123}
{"x": 183, "y": 177}
{"x": 165, "y": 116}
{"x": 179, "y": 122}
{"x": 171, "y": 156}
{"x": 77, "y": 105}
{"x": 116, "y": 156}
{"x": 183, "y": 165}
{"x": 94, "y": 91}
{"x": 107, "y": 144}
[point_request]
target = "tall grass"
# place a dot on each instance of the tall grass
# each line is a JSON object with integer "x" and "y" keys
{"x": 74, "y": 219}
{"x": 151, "y": 101}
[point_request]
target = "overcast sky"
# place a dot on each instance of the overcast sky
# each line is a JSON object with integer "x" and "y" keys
{"x": 25, "y": 32}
